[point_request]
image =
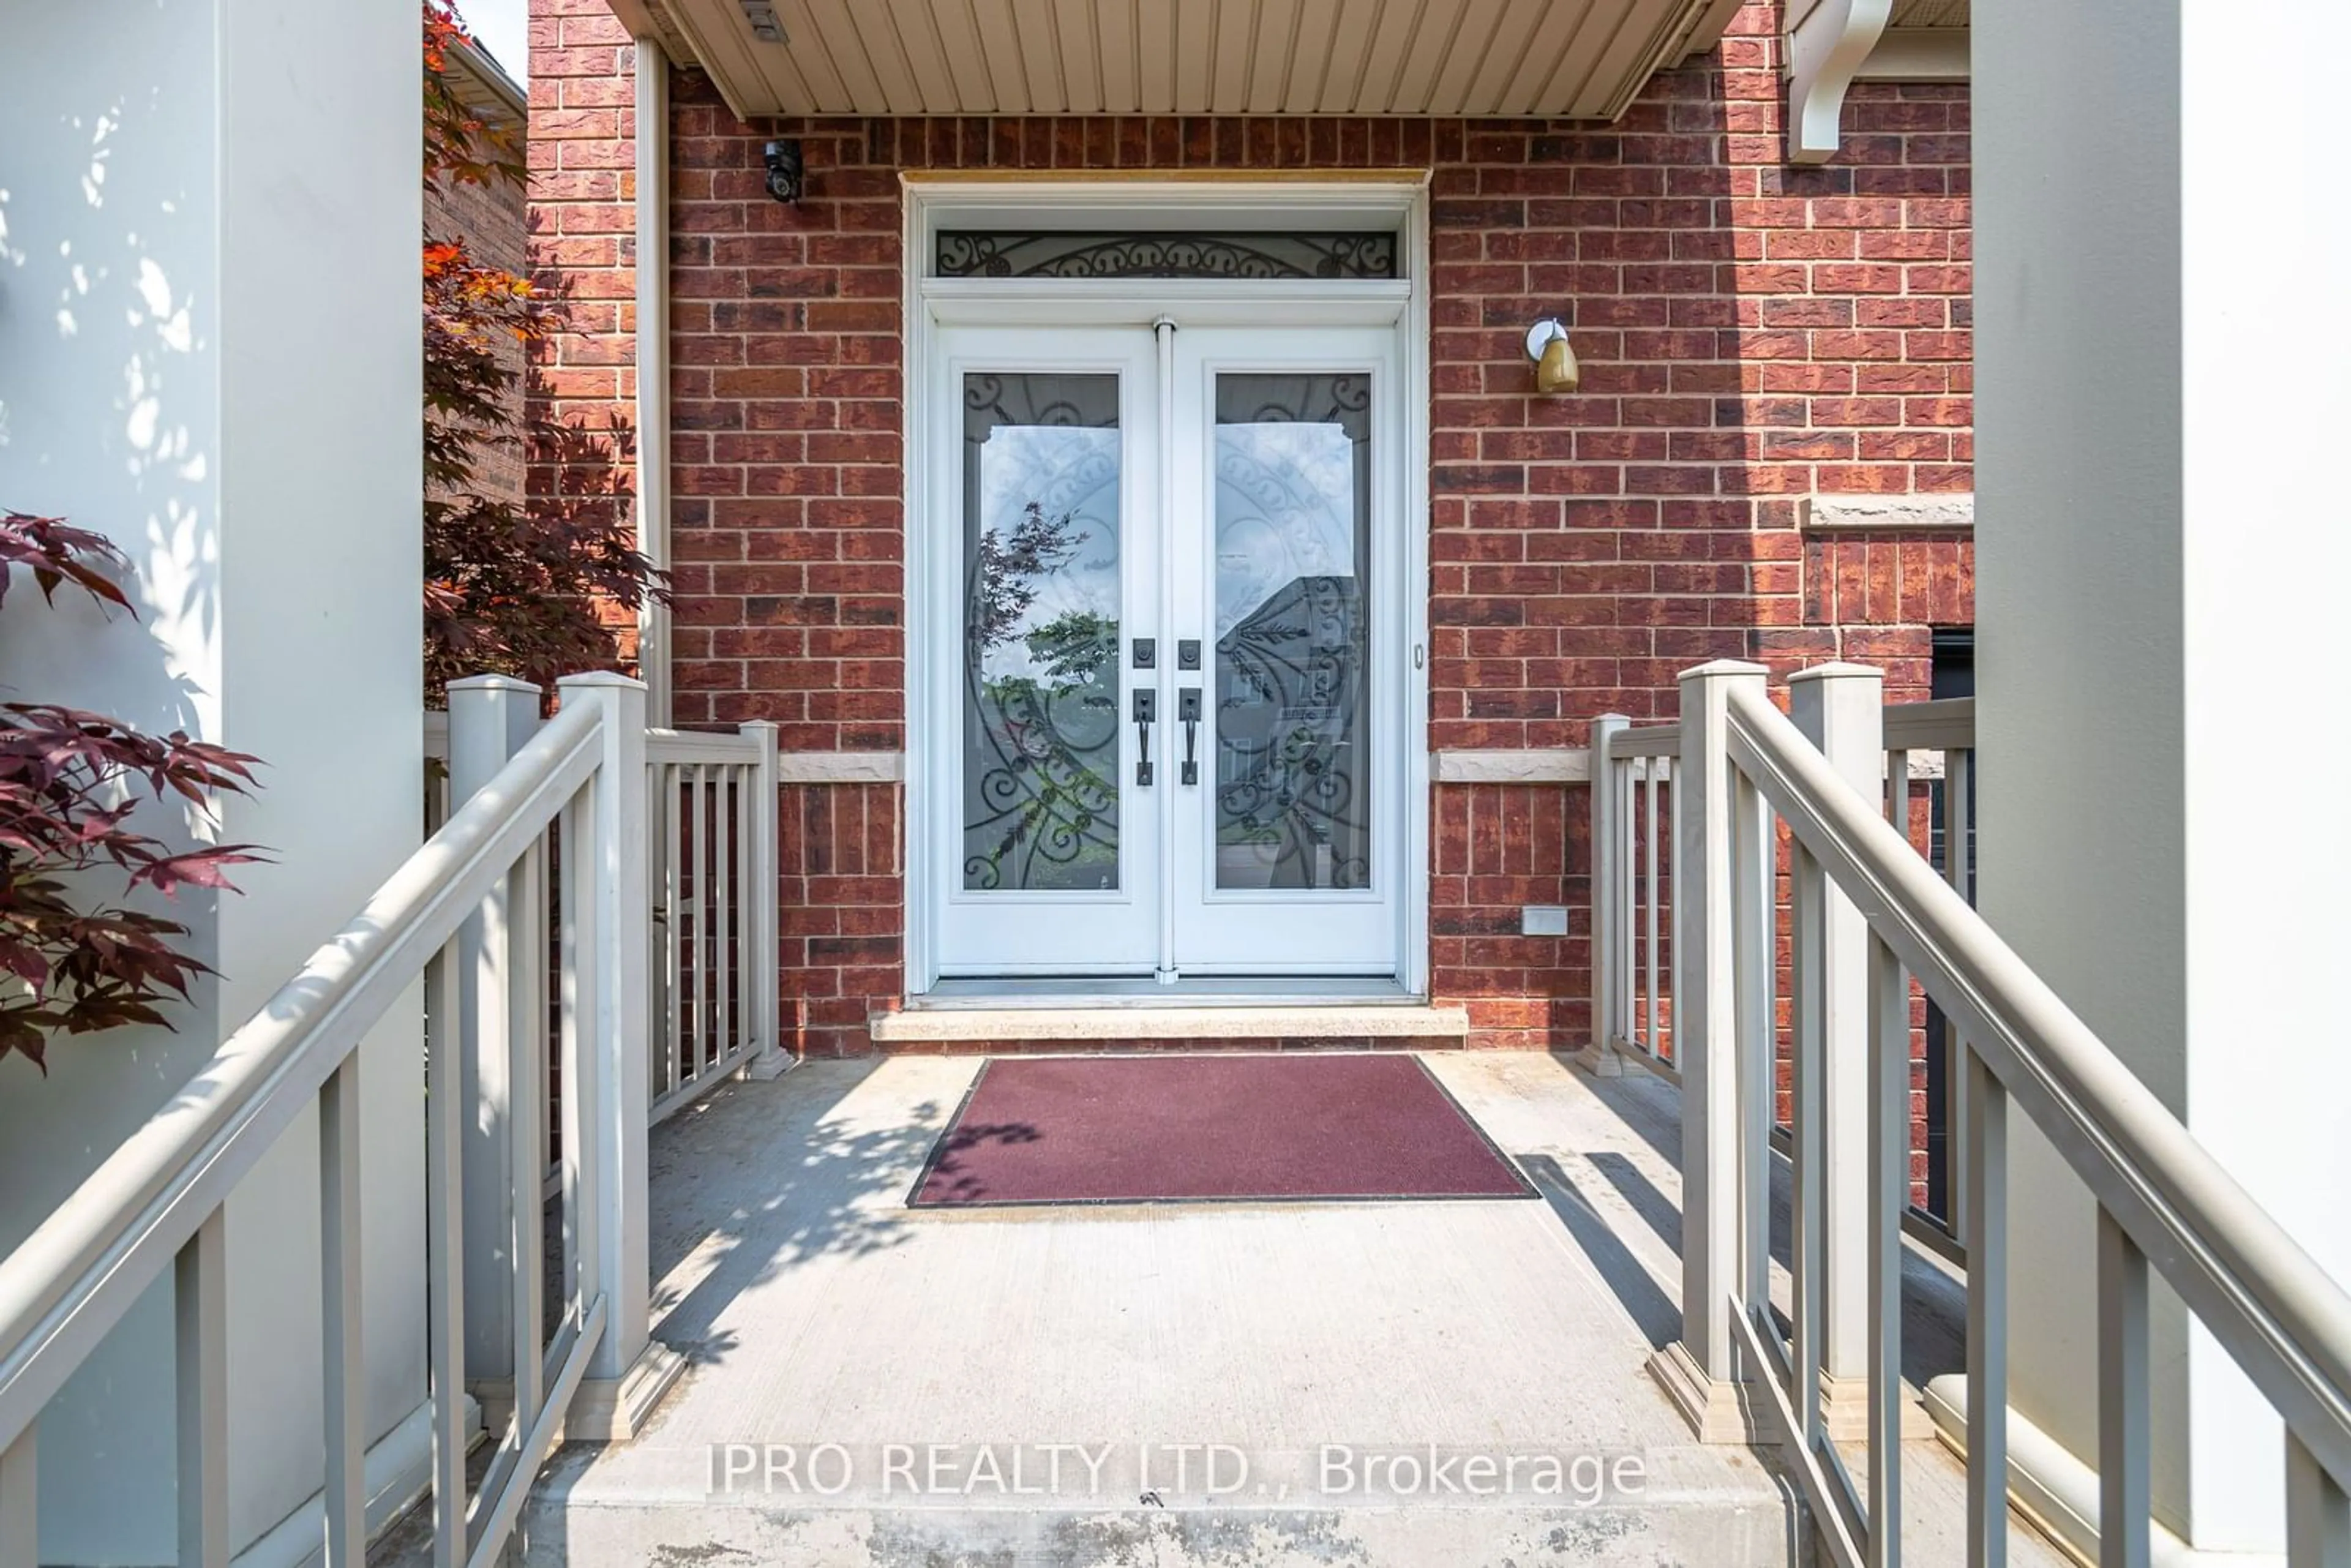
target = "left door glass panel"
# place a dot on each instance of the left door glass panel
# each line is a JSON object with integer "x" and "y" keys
{"x": 1042, "y": 601}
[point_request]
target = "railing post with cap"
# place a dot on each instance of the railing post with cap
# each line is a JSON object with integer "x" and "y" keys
{"x": 617, "y": 1020}
{"x": 1697, "y": 1371}
{"x": 1611, "y": 918}
{"x": 1840, "y": 708}
{"x": 491, "y": 718}
{"x": 762, "y": 964}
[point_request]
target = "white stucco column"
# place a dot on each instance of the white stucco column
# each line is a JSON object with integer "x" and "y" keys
{"x": 209, "y": 351}
{"x": 2162, "y": 539}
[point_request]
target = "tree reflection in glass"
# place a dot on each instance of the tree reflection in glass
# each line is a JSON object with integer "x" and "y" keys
{"x": 1042, "y": 731}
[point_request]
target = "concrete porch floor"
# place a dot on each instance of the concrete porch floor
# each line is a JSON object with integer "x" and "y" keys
{"x": 952, "y": 1361}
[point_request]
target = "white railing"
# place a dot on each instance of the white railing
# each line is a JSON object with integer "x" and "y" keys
{"x": 1868, "y": 917}
{"x": 468, "y": 915}
{"x": 709, "y": 999}
{"x": 1930, "y": 755}
{"x": 712, "y": 836}
{"x": 1632, "y": 779}
{"x": 714, "y": 878}
{"x": 1929, "y": 762}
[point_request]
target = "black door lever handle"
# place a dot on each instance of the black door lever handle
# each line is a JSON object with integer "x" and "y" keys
{"x": 1187, "y": 710}
{"x": 1146, "y": 709}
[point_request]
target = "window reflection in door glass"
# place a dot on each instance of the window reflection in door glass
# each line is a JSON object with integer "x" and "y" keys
{"x": 1292, "y": 519}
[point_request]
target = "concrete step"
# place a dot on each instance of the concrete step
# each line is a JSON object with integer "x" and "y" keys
{"x": 999, "y": 1030}
{"x": 1710, "y": 1526}
{"x": 816, "y": 1307}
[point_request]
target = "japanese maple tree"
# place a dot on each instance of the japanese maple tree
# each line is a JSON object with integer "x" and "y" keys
{"x": 73, "y": 958}
{"x": 520, "y": 587}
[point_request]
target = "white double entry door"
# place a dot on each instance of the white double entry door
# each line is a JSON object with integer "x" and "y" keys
{"x": 1171, "y": 710}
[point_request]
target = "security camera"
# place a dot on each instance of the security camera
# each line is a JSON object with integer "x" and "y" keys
{"x": 786, "y": 175}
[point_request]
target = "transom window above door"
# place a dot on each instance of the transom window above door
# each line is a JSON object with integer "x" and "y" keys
{"x": 1238, "y": 253}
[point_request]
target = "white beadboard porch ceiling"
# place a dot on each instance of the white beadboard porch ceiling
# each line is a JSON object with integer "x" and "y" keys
{"x": 1929, "y": 13}
{"x": 1582, "y": 59}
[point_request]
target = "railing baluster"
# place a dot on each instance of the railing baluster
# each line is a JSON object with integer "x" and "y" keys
{"x": 1985, "y": 1135}
{"x": 670, "y": 1040}
{"x": 1808, "y": 940}
{"x": 697, "y": 1047}
{"x": 2125, "y": 1424}
{"x": 1607, "y": 915}
{"x": 200, "y": 1313}
{"x": 1754, "y": 934}
{"x": 761, "y": 823}
{"x": 2317, "y": 1514}
{"x": 1651, "y": 770}
{"x": 527, "y": 1076}
{"x": 746, "y": 1008}
{"x": 1623, "y": 870}
{"x": 20, "y": 1523}
{"x": 657, "y": 998}
{"x": 1669, "y": 863}
{"x": 445, "y": 1287}
{"x": 728, "y": 855}
{"x": 1889, "y": 1195}
{"x": 1957, "y": 1083}
{"x": 574, "y": 983}
{"x": 343, "y": 1350}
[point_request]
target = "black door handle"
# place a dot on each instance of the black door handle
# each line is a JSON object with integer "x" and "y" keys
{"x": 1146, "y": 709}
{"x": 1187, "y": 709}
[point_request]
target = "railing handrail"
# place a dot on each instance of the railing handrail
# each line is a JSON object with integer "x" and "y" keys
{"x": 2278, "y": 1313}
{"x": 1943, "y": 724}
{"x": 728, "y": 746}
{"x": 74, "y": 1276}
{"x": 1645, "y": 740}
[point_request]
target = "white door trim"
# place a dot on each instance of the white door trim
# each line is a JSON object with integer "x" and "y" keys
{"x": 1366, "y": 200}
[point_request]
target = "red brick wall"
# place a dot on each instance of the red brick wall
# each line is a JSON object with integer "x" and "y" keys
{"x": 582, "y": 218}
{"x": 1750, "y": 334}
{"x": 491, "y": 219}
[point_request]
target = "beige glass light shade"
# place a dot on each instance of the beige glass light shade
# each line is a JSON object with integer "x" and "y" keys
{"x": 1555, "y": 366}
{"x": 1557, "y": 371}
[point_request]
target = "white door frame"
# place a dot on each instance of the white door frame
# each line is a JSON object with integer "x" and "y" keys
{"x": 1393, "y": 199}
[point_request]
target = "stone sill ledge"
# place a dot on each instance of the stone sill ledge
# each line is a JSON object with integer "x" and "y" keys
{"x": 1886, "y": 514}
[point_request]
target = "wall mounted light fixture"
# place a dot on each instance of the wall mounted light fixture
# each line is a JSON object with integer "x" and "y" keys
{"x": 1556, "y": 370}
{"x": 787, "y": 172}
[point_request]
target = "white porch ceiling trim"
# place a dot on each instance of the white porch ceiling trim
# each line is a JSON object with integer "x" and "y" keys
{"x": 1918, "y": 54}
{"x": 1580, "y": 59}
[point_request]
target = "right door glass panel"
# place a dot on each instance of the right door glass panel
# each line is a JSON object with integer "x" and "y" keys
{"x": 1292, "y": 518}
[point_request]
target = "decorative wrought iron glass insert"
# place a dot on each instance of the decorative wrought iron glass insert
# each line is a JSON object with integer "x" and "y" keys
{"x": 976, "y": 252}
{"x": 1041, "y": 606}
{"x": 1293, "y": 637}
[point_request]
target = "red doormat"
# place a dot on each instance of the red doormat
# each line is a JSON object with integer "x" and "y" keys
{"x": 1157, "y": 1129}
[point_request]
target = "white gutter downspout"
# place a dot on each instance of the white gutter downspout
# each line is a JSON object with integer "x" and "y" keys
{"x": 653, "y": 364}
